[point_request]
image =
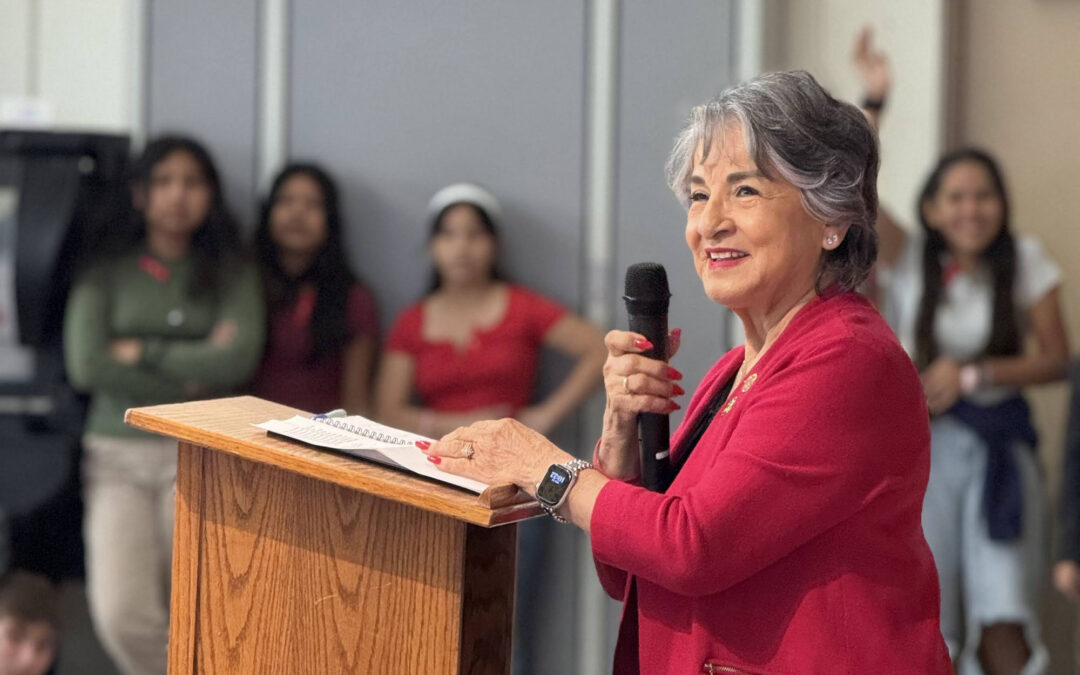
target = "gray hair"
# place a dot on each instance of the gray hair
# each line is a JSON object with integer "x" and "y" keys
{"x": 824, "y": 147}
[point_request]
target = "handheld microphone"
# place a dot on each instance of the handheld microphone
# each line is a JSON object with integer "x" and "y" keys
{"x": 647, "y": 296}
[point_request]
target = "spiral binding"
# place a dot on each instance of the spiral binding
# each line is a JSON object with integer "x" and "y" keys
{"x": 373, "y": 434}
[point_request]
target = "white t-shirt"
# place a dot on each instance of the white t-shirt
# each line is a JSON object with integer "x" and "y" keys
{"x": 965, "y": 315}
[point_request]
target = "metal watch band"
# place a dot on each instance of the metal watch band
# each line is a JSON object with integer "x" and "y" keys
{"x": 554, "y": 514}
{"x": 573, "y": 466}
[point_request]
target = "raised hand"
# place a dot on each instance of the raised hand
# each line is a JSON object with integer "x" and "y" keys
{"x": 872, "y": 66}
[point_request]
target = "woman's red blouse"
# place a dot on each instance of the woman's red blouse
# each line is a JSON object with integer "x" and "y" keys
{"x": 497, "y": 367}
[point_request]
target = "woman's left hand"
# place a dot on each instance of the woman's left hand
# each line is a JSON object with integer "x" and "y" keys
{"x": 941, "y": 382}
{"x": 503, "y": 451}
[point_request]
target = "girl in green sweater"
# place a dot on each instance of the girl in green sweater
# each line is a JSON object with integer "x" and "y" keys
{"x": 172, "y": 313}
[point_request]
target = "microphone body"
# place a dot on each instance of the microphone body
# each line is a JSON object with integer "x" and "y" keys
{"x": 647, "y": 297}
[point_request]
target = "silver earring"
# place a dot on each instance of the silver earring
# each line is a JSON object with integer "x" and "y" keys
{"x": 831, "y": 240}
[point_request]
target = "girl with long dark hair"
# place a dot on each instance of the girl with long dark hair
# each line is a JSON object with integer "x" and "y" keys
{"x": 323, "y": 328}
{"x": 469, "y": 350}
{"x": 169, "y": 312}
{"x": 966, "y": 295}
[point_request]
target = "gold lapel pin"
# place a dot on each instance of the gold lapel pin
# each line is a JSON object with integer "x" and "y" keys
{"x": 750, "y": 380}
{"x": 729, "y": 405}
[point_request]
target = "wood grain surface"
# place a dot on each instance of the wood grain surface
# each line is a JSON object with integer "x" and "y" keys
{"x": 280, "y": 573}
{"x": 187, "y": 549}
{"x": 488, "y": 599}
{"x": 226, "y": 425}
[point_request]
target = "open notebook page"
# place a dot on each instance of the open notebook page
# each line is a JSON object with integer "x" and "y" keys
{"x": 376, "y": 442}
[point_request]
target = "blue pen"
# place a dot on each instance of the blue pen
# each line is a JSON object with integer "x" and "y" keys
{"x": 333, "y": 413}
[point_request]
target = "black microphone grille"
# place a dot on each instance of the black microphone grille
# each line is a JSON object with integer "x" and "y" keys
{"x": 647, "y": 282}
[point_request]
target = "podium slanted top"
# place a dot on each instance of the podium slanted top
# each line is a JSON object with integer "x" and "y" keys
{"x": 226, "y": 425}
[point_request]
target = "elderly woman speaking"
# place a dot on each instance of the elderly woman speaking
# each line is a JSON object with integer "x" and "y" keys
{"x": 790, "y": 540}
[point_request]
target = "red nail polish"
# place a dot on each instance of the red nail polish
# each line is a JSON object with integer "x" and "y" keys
{"x": 677, "y": 391}
{"x": 434, "y": 459}
{"x": 673, "y": 374}
{"x": 676, "y": 332}
{"x": 642, "y": 343}
{"x": 423, "y": 445}
{"x": 672, "y": 407}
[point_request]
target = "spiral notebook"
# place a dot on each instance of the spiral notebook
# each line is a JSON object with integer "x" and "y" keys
{"x": 360, "y": 437}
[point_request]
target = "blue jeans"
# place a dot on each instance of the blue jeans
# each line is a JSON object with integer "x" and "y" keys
{"x": 983, "y": 581}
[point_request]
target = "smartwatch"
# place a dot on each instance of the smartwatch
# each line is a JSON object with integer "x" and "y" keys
{"x": 552, "y": 490}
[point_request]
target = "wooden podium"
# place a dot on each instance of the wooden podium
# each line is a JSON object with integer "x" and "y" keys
{"x": 288, "y": 559}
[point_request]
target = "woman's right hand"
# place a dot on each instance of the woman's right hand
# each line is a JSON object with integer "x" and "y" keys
{"x": 941, "y": 384}
{"x": 634, "y": 384}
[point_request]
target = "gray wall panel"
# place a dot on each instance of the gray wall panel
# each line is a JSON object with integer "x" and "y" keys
{"x": 401, "y": 99}
{"x": 202, "y": 81}
{"x": 673, "y": 55}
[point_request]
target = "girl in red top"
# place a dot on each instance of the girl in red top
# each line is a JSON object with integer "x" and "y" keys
{"x": 323, "y": 327}
{"x": 790, "y": 540}
{"x": 470, "y": 349}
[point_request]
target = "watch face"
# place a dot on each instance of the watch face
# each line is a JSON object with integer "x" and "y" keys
{"x": 550, "y": 491}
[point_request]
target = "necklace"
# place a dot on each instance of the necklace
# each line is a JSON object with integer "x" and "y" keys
{"x": 745, "y": 368}
{"x": 748, "y": 364}
{"x": 742, "y": 372}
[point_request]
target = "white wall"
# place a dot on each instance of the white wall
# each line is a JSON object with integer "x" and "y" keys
{"x": 14, "y": 47}
{"x": 818, "y": 36}
{"x": 76, "y": 57}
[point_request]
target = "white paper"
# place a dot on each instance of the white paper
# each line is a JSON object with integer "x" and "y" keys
{"x": 404, "y": 454}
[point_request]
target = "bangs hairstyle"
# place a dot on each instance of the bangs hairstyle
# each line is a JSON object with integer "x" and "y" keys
{"x": 796, "y": 132}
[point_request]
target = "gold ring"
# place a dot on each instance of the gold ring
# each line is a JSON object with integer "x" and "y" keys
{"x": 469, "y": 451}
{"x": 626, "y": 384}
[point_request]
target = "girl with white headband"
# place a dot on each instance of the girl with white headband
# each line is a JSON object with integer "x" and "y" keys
{"x": 469, "y": 350}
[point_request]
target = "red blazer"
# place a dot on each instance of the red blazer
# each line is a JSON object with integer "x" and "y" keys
{"x": 791, "y": 541}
